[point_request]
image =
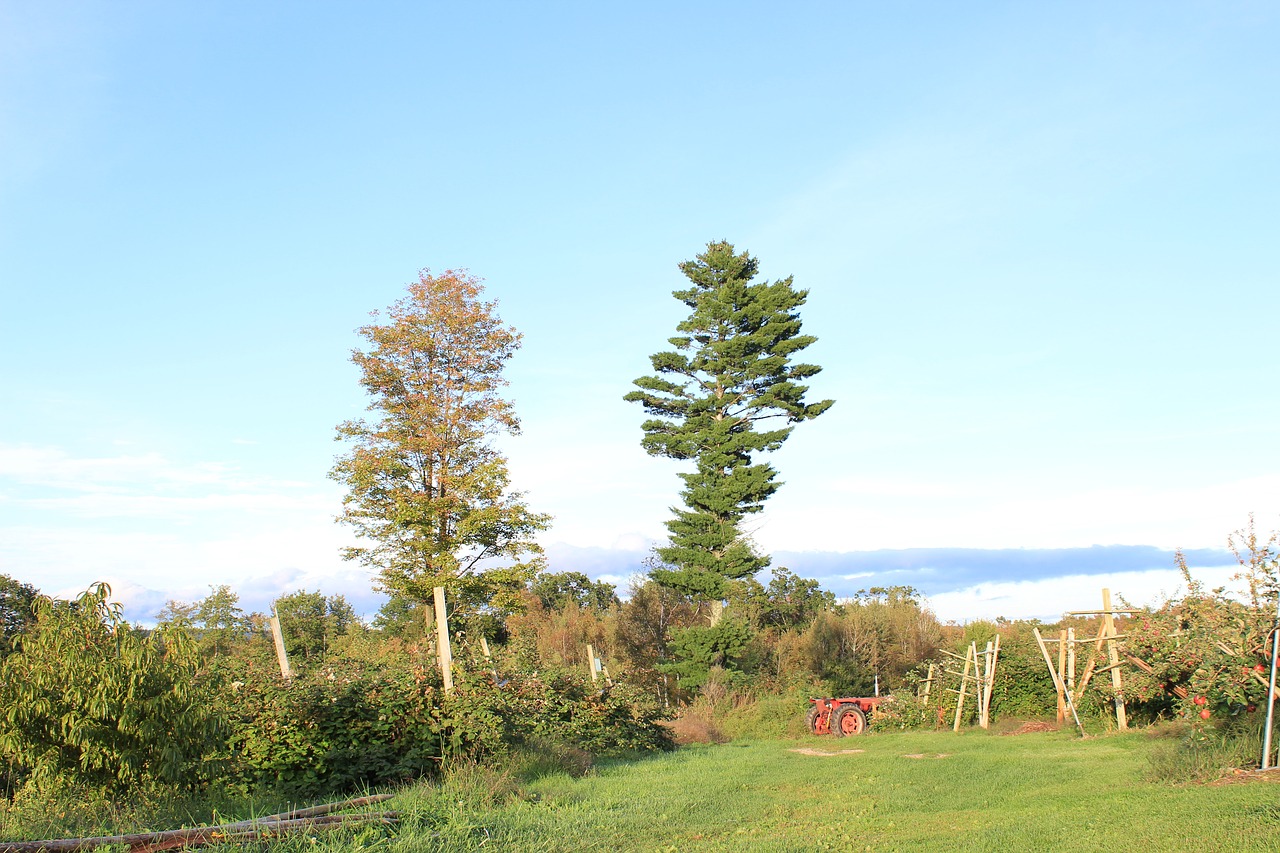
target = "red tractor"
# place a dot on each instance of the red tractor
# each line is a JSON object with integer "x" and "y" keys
{"x": 840, "y": 717}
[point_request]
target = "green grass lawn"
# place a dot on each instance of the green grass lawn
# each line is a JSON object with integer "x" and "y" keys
{"x": 1026, "y": 792}
{"x": 967, "y": 792}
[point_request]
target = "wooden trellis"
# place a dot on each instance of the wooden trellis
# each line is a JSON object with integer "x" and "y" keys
{"x": 984, "y": 673}
{"x": 1064, "y": 674}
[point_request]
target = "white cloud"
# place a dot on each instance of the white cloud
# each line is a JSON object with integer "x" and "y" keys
{"x": 1196, "y": 516}
{"x": 159, "y": 524}
{"x": 1050, "y": 598}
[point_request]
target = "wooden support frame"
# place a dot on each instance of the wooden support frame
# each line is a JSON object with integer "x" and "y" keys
{"x": 970, "y": 658}
{"x": 1057, "y": 679}
{"x": 1113, "y": 657}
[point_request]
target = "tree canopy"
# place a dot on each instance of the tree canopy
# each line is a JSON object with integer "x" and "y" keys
{"x": 730, "y": 372}
{"x": 428, "y": 493}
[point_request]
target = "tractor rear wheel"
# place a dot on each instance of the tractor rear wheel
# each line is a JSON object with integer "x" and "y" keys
{"x": 812, "y": 718}
{"x": 848, "y": 720}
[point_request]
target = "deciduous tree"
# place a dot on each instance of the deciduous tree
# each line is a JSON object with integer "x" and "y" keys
{"x": 311, "y": 621}
{"x": 729, "y": 376}
{"x": 557, "y": 589}
{"x": 224, "y": 624}
{"x": 16, "y": 601}
{"x": 428, "y": 492}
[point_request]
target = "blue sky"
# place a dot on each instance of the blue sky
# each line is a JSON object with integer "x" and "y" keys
{"x": 1039, "y": 241}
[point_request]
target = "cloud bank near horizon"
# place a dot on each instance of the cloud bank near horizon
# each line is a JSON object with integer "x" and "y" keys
{"x": 960, "y": 584}
{"x": 933, "y": 571}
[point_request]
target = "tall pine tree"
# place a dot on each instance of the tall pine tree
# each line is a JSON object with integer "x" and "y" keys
{"x": 727, "y": 392}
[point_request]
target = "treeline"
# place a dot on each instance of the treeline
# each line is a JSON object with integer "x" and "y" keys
{"x": 199, "y": 697}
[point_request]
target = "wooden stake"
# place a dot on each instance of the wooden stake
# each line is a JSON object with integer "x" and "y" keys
{"x": 928, "y": 683}
{"x": 591, "y": 663}
{"x": 444, "y": 651}
{"x": 1109, "y": 623}
{"x": 984, "y": 711}
{"x": 995, "y": 661}
{"x": 1071, "y": 659}
{"x": 484, "y": 647}
{"x": 281, "y": 657}
{"x": 964, "y": 683}
{"x": 1062, "y": 667}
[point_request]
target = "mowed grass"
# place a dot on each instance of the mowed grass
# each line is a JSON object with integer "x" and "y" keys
{"x": 986, "y": 792}
{"x": 969, "y": 792}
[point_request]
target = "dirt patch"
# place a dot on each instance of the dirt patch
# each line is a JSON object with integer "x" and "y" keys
{"x": 822, "y": 752}
{"x": 925, "y": 755}
{"x": 1032, "y": 728}
{"x": 1240, "y": 777}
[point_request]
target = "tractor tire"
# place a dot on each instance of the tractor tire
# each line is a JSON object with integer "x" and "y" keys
{"x": 811, "y": 719}
{"x": 848, "y": 720}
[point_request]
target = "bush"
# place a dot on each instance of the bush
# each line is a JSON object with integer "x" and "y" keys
{"x": 360, "y": 725}
{"x": 90, "y": 700}
{"x": 334, "y": 729}
{"x": 564, "y": 707}
{"x": 902, "y": 712}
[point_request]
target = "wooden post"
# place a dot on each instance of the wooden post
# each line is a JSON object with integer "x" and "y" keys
{"x": 484, "y": 647}
{"x": 1062, "y": 667}
{"x": 591, "y": 663}
{"x": 928, "y": 683}
{"x": 984, "y": 691}
{"x": 281, "y": 657}
{"x": 1071, "y": 659}
{"x": 989, "y": 681}
{"x": 964, "y": 683}
{"x": 444, "y": 651}
{"x": 1113, "y": 658}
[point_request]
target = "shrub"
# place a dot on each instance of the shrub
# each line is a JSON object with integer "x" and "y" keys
{"x": 88, "y": 699}
{"x": 564, "y": 707}
{"x": 902, "y": 712}
{"x": 359, "y": 725}
{"x": 334, "y": 729}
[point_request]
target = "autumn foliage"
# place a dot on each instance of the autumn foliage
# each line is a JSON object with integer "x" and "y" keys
{"x": 428, "y": 493}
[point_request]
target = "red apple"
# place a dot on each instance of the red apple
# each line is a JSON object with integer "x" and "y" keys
{"x": 1206, "y": 714}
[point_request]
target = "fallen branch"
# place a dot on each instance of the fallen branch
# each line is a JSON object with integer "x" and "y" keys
{"x": 271, "y": 826}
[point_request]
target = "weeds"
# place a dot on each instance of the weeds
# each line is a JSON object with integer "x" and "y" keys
{"x": 1193, "y": 753}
